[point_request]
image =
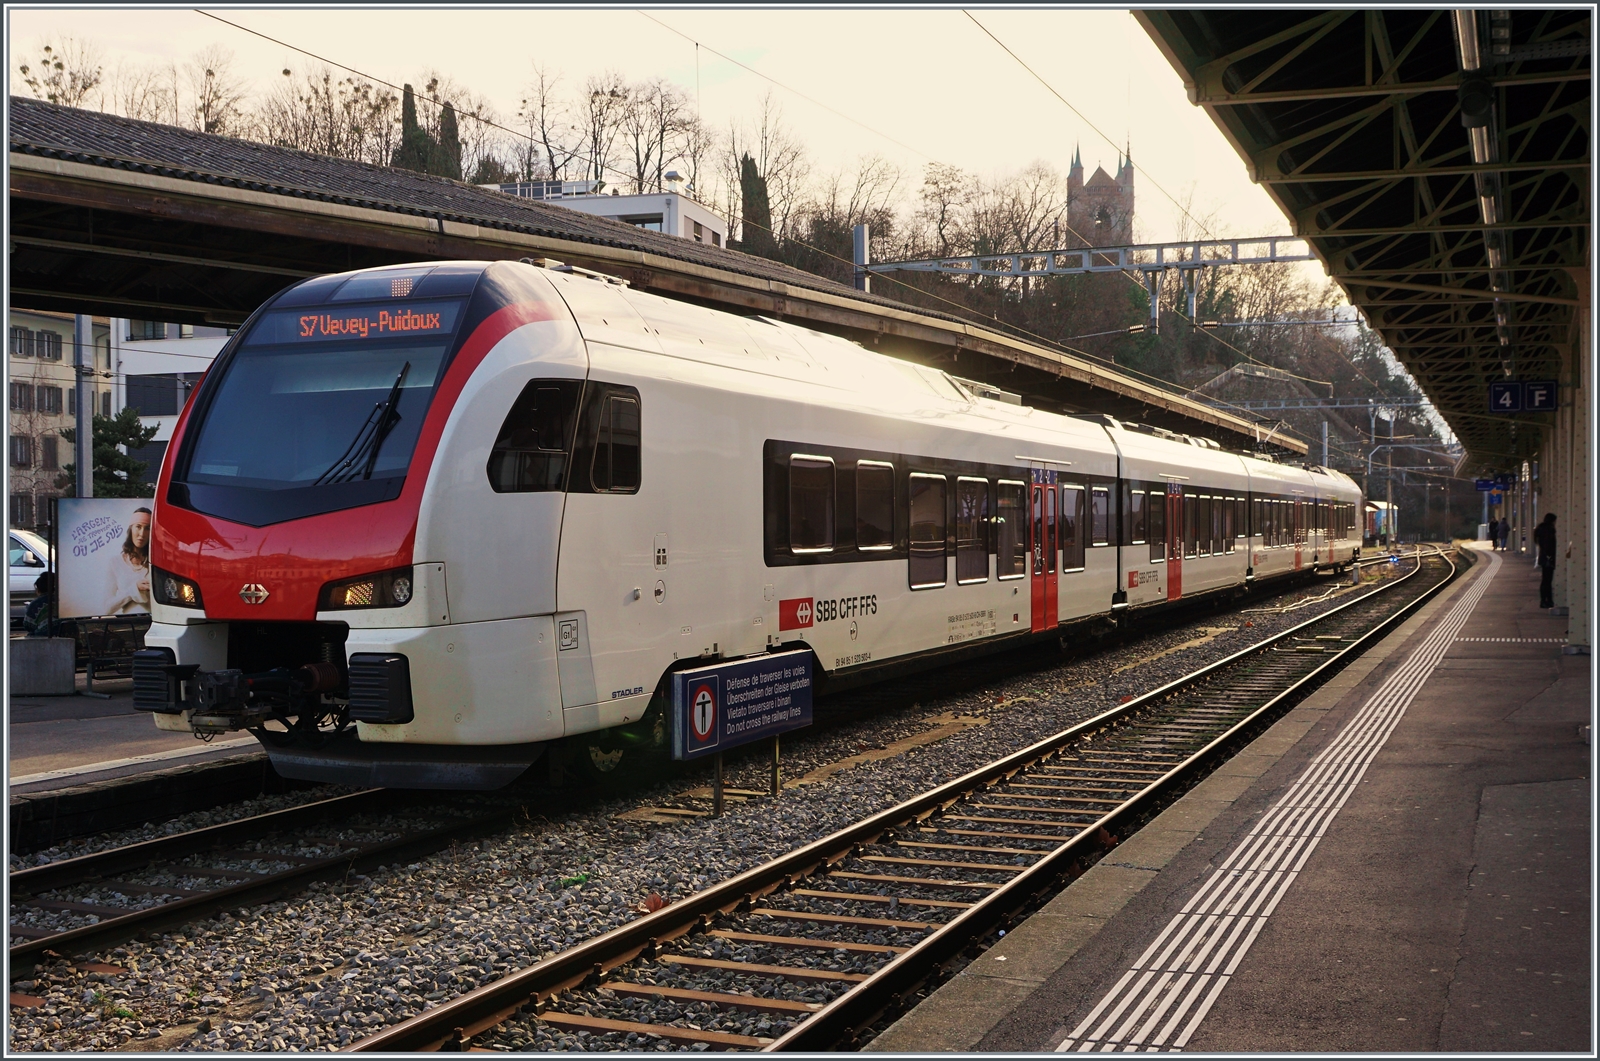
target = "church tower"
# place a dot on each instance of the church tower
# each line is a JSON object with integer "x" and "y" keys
{"x": 1100, "y": 209}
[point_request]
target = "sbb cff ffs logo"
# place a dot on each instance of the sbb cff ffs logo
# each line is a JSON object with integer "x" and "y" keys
{"x": 795, "y": 614}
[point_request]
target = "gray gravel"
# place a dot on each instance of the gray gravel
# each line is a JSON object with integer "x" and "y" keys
{"x": 349, "y": 957}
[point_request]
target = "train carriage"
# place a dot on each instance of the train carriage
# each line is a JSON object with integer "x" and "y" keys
{"x": 421, "y": 524}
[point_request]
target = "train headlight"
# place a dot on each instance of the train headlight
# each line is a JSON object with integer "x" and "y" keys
{"x": 385, "y": 589}
{"x": 175, "y": 590}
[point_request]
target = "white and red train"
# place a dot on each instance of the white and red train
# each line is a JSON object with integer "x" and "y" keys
{"x": 420, "y": 523}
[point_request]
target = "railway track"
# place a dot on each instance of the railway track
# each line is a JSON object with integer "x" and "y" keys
{"x": 810, "y": 950}
{"x": 97, "y": 900}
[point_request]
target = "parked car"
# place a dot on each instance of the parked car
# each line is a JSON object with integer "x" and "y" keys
{"x": 27, "y": 559}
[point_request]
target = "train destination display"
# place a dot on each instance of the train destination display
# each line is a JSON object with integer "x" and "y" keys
{"x": 723, "y": 706}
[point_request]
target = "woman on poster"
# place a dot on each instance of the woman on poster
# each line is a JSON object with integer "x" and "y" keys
{"x": 130, "y": 569}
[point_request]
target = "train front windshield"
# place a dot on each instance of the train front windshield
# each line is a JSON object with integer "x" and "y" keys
{"x": 319, "y": 409}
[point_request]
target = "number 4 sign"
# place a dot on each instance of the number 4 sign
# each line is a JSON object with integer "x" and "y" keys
{"x": 1505, "y": 397}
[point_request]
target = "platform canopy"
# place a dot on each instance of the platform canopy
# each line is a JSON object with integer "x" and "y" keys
{"x": 1438, "y": 164}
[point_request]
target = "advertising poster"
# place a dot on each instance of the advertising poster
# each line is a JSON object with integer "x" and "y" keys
{"x": 103, "y": 556}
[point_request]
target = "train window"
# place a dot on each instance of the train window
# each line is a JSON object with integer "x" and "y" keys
{"x": 1258, "y": 524}
{"x": 1100, "y": 515}
{"x": 1052, "y": 516}
{"x": 1158, "y": 525}
{"x": 530, "y": 453}
{"x": 1037, "y": 538}
{"x": 1216, "y": 525}
{"x": 972, "y": 530}
{"x": 1071, "y": 528}
{"x": 927, "y": 568}
{"x": 1203, "y": 526}
{"x": 616, "y": 450}
{"x": 1191, "y": 530}
{"x": 1136, "y": 520}
{"x": 810, "y": 504}
{"x": 1228, "y": 508}
{"x": 1010, "y": 536}
{"x": 1239, "y": 522}
{"x": 874, "y": 506}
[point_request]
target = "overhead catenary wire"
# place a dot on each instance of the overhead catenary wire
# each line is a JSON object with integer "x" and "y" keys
{"x": 988, "y": 320}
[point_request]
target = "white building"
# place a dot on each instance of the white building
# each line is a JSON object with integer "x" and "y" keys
{"x": 671, "y": 211}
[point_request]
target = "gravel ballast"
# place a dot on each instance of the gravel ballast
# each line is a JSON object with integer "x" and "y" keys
{"x": 349, "y": 957}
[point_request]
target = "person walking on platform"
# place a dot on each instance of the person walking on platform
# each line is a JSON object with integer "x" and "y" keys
{"x": 1544, "y": 537}
{"x": 1505, "y": 532}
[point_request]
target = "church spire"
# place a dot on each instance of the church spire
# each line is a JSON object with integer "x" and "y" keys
{"x": 1077, "y": 160}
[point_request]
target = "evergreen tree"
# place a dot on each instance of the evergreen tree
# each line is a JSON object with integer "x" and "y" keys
{"x": 756, "y": 211}
{"x": 115, "y": 473}
{"x": 449, "y": 152}
{"x": 416, "y": 148}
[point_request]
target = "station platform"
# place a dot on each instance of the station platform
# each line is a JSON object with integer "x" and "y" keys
{"x": 1401, "y": 863}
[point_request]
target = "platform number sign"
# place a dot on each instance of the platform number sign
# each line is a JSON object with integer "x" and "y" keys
{"x": 1540, "y": 396}
{"x": 1505, "y": 397}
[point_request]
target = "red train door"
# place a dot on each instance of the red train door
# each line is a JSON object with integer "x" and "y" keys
{"x": 1044, "y": 556}
{"x": 1174, "y": 541}
{"x": 1299, "y": 532}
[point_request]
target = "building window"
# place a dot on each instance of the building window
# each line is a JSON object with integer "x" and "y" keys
{"x": 72, "y": 401}
{"x": 21, "y": 451}
{"x": 146, "y": 330}
{"x": 22, "y": 510}
{"x": 645, "y": 221}
{"x": 186, "y": 331}
{"x": 21, "y": 342}
{"x": 50, "y": 400}
{"x": 699, "y": 233}
{"x": 49, "y": 457}
{"x": 105, "y": 403}
{"x": 716, "y": 238}
{"x": 22, "y": 397}
{"x": 47, "y": 345}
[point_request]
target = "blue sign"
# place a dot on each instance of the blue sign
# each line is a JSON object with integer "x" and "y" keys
{"x": 1540, "y": 396}
{"x": 1505, "y": 397}
{"x": 728, "y": 704}
{"x": 1484, "y": 485}
{"x": 1502, "y": 482}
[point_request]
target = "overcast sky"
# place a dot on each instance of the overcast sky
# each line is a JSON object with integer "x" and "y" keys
{"x": 929, "y": 79}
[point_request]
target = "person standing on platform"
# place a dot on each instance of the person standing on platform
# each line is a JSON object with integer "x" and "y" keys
{"x": 1544, "y": 537}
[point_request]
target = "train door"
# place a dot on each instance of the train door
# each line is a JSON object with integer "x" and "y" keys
{"x": 1174, "y": 541}
{"x": 1044, "y": 556}
{"x": 1299, "y": 532}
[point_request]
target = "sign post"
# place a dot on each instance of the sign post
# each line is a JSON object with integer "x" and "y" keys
{"x": 726, "y": 705}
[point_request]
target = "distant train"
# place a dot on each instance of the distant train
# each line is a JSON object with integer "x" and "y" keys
{"x": 420, "y": 523}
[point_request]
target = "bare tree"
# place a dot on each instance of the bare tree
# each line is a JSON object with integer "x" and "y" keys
{"x": 216, "y": 93}
{"x": 550, "y": 124}
{"x": 653, "y": 124}
{"x": 697, "y": 142}
{"x": 605, "y": 104}
{"x": 68, "y": 72}
{"x": 780, "y": 159}
{"x": 143, "y": 93}
{"x": 342, "y": 117}
{"x": 946, "y": 194}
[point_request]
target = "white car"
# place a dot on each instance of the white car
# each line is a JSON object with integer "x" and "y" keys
{"x": 27, "y": 559}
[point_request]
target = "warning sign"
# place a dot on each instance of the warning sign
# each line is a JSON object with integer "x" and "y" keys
{"x": 729, "y": 704}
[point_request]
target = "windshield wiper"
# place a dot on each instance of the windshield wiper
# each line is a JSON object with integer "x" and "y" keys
{"x": 369, "y": 438}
